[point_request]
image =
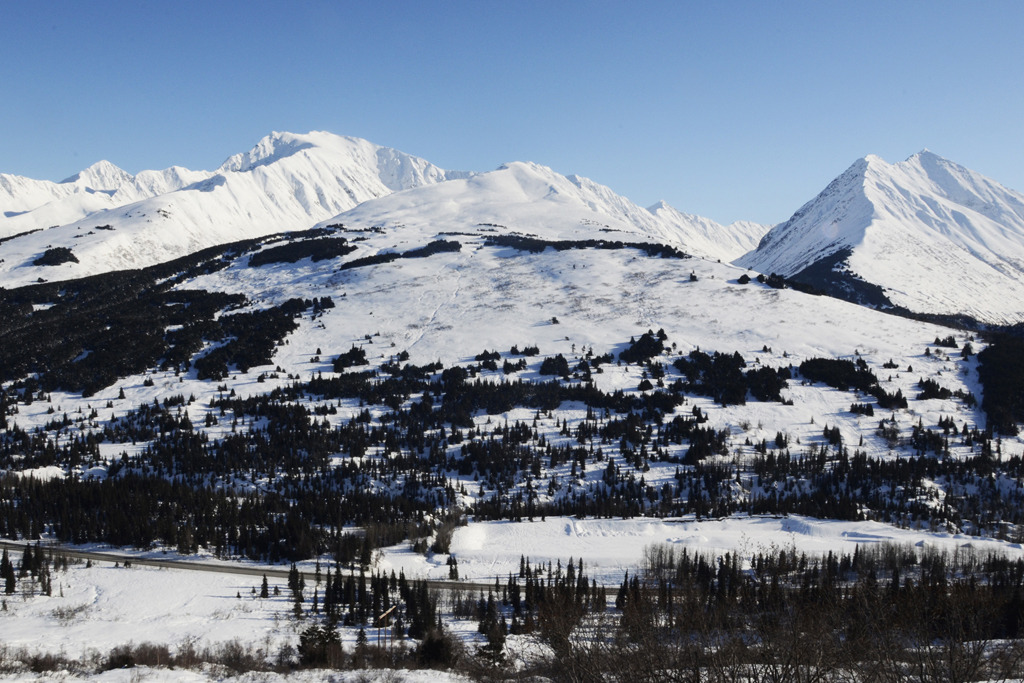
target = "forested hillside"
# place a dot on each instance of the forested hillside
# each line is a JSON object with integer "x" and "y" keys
{"x": 239, "y": 452}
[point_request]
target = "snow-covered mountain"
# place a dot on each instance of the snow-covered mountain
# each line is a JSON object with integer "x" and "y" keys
{"x": 709, "y": 239}
{"x": 533, "y": 199}
{"x": 30, "y": 204}
{"x": 286, "y": 182}
{"x": 290, "y": 182}
{"x": 925, "y": 234}
{"x": 936, "y": 238}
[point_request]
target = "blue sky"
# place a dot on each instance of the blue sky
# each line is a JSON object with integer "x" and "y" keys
{"x": 731, "y": 110}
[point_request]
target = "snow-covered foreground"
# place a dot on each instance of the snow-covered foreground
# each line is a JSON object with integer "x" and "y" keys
{"x": 96, "y": 608}
{"x": 99, "y": 607}
{"x": 158, "y": 675}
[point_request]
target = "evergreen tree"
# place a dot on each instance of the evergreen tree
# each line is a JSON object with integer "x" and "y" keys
{"x": 7, "y": 573}
{"x": 27, "y": 562}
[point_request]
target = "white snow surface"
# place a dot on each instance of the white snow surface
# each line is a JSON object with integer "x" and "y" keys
{"x": 289, "y": 182}
{"x": 103, "y": 606}
{"x": 286, "y": 182}
{"x": 706, "y": 238}
{"x": 94, "y": 609}
{"x": 611, "y": 547}
{"x": 938, "y": 237}
{"x": 27, "y": 204}
{"x": 529, "y": 198}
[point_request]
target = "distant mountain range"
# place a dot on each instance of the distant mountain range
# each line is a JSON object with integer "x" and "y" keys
{"x": 924, "y": 235}
{"x": 286, "y": 182}
{"x": 290, "y": 182}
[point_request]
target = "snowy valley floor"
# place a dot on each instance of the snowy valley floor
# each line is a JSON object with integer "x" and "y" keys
{"x": 96, "y": 608}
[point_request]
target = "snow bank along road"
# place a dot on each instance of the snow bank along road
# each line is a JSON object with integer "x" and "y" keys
{"x": 200, "y": 566}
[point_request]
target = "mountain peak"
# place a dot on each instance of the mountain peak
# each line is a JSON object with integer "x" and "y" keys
{"x": 926, "y": 157}
{"x": 932, "y": 234}
{"x": 528, "y": 167}
{"x": 277, "y": 145}
{"x": 102, "y": 175}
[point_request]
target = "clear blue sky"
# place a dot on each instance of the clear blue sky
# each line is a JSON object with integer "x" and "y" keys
{"x": 725, "y": 109}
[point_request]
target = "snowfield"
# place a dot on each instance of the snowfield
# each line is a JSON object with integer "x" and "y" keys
{"x": 611, "y": 547}
{"x": 99, "y": 607}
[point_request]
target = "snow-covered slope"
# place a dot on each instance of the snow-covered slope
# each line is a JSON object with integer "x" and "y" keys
{"x": 709, "y": 239}
{"x": 286, "y": 182}
{"x": 522, "y": 197}
{"x": 27, "y": 204}
{"x": 937, "y": 237}
{"x": 289, "y": 182}
{"x": 533, "y": 199}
